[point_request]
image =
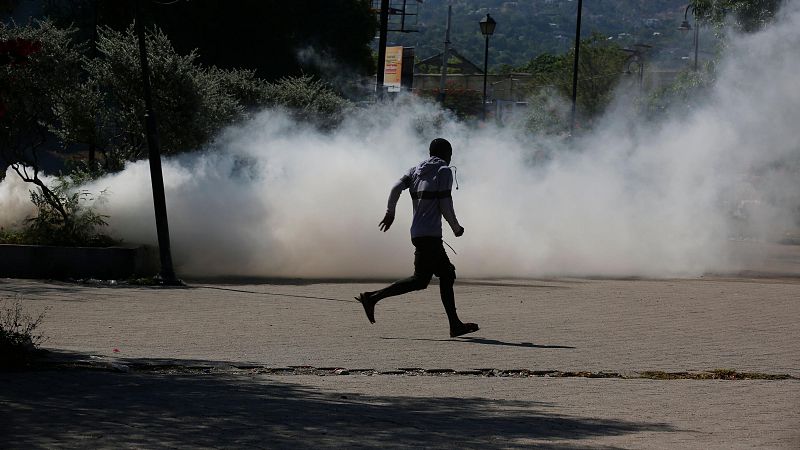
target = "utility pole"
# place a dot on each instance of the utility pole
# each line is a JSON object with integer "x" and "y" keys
{"x": 167, "y": 273}
{"x": 696, "y": 39}
{"x": 575, "y": 67}
{"x": 443, "y": 78}
{"x": 93, "y": 55}
{"x": 384, "y": 28}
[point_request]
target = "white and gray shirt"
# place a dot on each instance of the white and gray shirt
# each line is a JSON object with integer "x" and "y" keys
{"x": 429, "y": 183}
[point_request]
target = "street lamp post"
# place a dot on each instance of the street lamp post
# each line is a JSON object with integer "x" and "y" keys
{"x": 487, "y": 29}
{"x": 384, "y": 21}
{"x": 686, "y": 27}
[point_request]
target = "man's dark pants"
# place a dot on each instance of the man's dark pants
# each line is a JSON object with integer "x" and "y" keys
{"x": 429, "y": 259}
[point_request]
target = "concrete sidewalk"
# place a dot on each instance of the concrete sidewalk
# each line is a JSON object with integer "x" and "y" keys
{"x": 624, "y": 327}
{"x": 569, "y": 325}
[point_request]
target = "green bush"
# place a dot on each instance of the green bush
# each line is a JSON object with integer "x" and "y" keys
{"x": 63, "y": 217}
{"x": 19, "y": 335}
{"x": 74, "y": 225}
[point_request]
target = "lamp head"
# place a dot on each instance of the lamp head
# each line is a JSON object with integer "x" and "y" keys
{"x": 487, "y": 25}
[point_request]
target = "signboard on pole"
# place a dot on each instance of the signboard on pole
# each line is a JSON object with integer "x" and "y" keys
{"x": 393, "y": 68}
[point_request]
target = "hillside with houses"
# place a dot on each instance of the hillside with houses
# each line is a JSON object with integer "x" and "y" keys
{"x": 529, "y": 28}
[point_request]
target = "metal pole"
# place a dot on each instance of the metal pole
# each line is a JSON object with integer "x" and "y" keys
{"x": 384, "y": 19}
{"x": 485, "y": 74}
{"x": 443, "y": 78}
{"x": 575, "y": 67}
{"x": 696, "y": 39}
{"x": 403, "y": 18}
{"x": 167, "y": 273}
{"x": 93, "y": 55}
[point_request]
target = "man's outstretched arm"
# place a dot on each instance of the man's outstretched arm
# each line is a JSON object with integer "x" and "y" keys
{"x": 394, "y": 196}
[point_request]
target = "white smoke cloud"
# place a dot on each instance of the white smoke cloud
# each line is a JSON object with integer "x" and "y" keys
{"x": 15, "y": 204}
{"x": 276, "y": 198}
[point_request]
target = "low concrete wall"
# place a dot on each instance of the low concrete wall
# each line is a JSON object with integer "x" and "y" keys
{"x": 104, "y": 263}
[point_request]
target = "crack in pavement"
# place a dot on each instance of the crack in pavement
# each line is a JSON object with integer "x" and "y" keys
{"x": 178, "y": 367}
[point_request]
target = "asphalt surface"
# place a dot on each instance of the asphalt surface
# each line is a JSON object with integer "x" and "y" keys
{"x": 558, "y": 363}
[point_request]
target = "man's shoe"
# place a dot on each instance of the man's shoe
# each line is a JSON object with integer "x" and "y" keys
{"x": 463, "y": 329}
{"x": 369, "y": 306}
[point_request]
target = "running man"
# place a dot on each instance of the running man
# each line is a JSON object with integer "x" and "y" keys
{"x": 430, "y": 183}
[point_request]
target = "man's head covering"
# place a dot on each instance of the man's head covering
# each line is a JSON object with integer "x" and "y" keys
{"x": 441, "y": 148}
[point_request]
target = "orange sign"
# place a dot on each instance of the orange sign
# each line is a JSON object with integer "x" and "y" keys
{"x": 393, "y": 68}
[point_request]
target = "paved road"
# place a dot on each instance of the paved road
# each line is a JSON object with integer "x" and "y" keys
{"x": 612, "y": 325}
{"x": 624, "y": 327}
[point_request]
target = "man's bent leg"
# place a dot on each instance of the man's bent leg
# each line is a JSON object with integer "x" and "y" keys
{"x": 369, "y": 299}
{"x": 415, "y": 282}
{"x": 423, "y": 258}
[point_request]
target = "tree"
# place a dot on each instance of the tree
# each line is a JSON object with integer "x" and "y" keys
{"x": 749, "y": 15}
{"x": 192, "y": 102}
{"x": 308, "y": 99}
{"x": 600, "y": 67}
{"x": 42, "y": 65}
{"x": 74, "y": 102}
{"x": 689, "y": 86}
{"x": 55, "y": 100}
{"x": 681, "y": 94}
{"x": 267, "y": 36}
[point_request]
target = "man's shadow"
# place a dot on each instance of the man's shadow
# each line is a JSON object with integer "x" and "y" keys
{"x": 480, "y": 340}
